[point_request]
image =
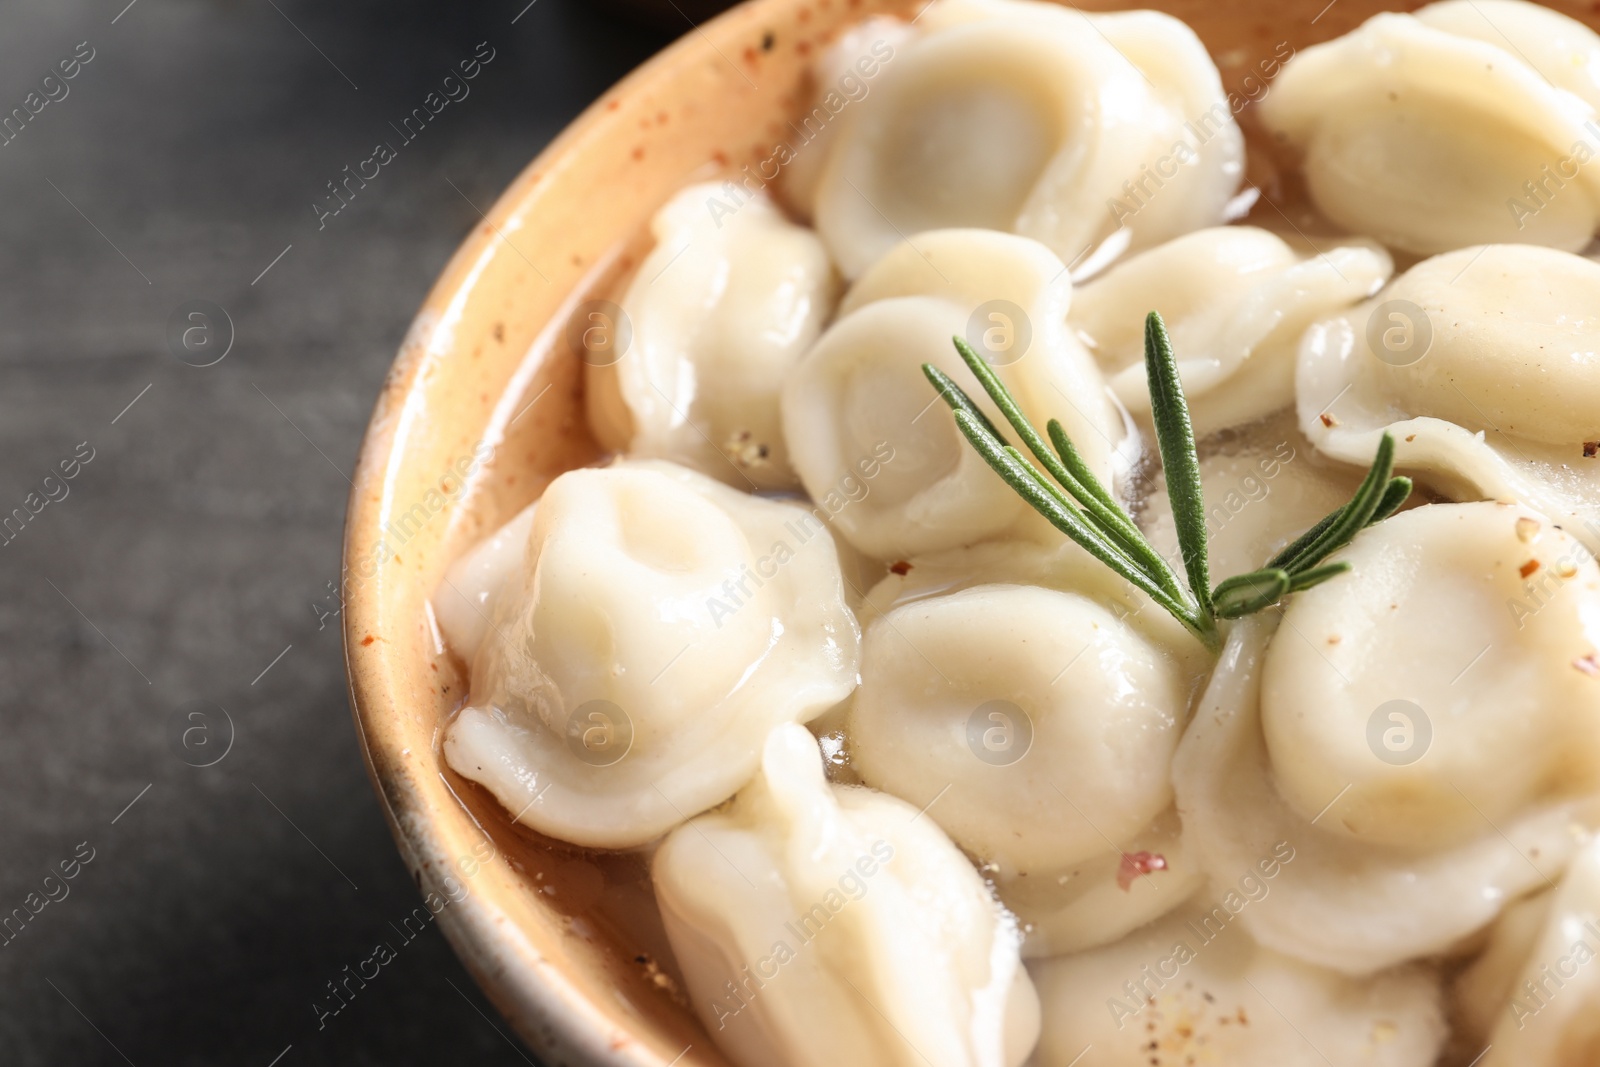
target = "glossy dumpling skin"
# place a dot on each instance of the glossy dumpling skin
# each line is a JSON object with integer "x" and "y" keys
{"x": 467, "y": 598}
{"x": 719, "y": 311}
{"x": 1193, "y": 988}
{"x": 1423, "y": 130}
{"x": 1504, "y": 394}
{"x": 1235, "y": 300}
{"x": 1483, "y": 991}
{"x": 1431, "y": 750}
{"x": 663, "y": 625}
{"x": 1037, "y": 726}
{"x": 1020, "y": 116}
{"x": 844, "y": 76}
{"x": 1551, "y": 1014}
{"x": 1103, "y": 707}
{"x": 829, "y": 926}
{"x": 860, "y": 392}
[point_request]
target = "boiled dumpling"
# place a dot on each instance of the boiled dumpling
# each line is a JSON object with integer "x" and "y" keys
{"x": 718, "y": 313}
{"x": 1048, "y": 724}
{"x": 830, "y": 926}
{"x": 1021, "y": 116}
{"x": 465, "y": 602}
{"x": 662, "y": 625}
{"x": 1467, "y": 123}
{"x": 1194, "y": 989}
{"x": 1561, "y": 49}
{"x": 1485, "y": 366}
{"x": 844, "y": 76}
{"x": 1484, "y": 990}
{"x": 1038, "y": 729}
{"x": 1264, "y": 486}
{"x": 1428, "y": 742}
{"x": 1550, "y": 1016}
{"x": 1236, "y": 300}
{"x": 860, "y": 395}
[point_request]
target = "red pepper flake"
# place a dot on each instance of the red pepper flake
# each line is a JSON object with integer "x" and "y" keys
{"x": 1590, "y": 448}
{"x": 1328, "y": 420}
{"x": 1589, "y": 665}
{"x": 1135, "y": 864}
{"x": 901, "y": 568}
{"x": 367, "y": 640}
{"x": 1528, "y": 568}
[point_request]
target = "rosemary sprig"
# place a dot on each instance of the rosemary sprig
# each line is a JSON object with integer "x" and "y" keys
{"x": 1080, "y": 506}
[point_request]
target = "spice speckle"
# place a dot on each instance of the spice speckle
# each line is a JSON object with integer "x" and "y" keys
{"x": 1135, "y": 864}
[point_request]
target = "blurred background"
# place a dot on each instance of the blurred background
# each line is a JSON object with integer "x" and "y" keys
{"x": 192, "y": 851}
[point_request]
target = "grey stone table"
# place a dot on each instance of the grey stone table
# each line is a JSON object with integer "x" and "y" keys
{"x": 159, "y": 912}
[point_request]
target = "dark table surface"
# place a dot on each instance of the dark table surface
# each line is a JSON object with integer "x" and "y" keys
{"x": 180, "y": 581}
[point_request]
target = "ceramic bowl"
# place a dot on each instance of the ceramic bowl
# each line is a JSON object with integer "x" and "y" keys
{"x": 568, "y": 944}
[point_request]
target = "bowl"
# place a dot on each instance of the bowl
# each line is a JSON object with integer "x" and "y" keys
{"x": 566, "y": 943}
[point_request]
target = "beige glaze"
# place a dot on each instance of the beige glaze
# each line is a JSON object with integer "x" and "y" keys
{"x": 567, "y": 943}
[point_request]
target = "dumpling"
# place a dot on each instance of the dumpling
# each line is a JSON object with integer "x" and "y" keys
{"x": 1037, "y": 728}
{"x": 1264, "y": 485}
{"x": 1236, "y": 300}
{"x": 718, "y": 313}
{"x": 1193, "y": 988}
{"x": 1485, "y": 366}
{"x": 974, "y": 696}
{"x": 859, "y": 396}
{"x": 465, "y": 602}
{"x": 1563, "y": 51}
{"x": 1470, "y": 122}
{"x": 830, "y": 926}
{"x": 1551, "y": 1014}
{"x": 843, "y": 77}
{"x": 1428, "y": 742}
{"x": 664, "y": 623}
{"x": 1484, "y": 990}
{"x": 1021, "y": 116}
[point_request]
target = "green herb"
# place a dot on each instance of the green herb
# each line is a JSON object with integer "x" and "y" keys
{"x": 1081, "y": 507}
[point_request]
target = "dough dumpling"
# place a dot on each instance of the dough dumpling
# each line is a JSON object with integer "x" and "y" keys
{"x": 859, "y": 399}
{"x": 1235, "y": 300}
{"x": 830, "y": 926}
{"x": 1485, "y": 366}
{"x": 1433, "y": 132}
{"x": 1194, "y": 989}
{"x": 717, "y": 314}
{"x": 1427, "y": 740}
{"x": 1551, "y": 1016}
{"x": 1025, "y": 117}
{"x": 466, "y": 600}
{"x": 1038, "y": 729}
{"x": 663, "y": 624}
{"x": 1083, "y": 706}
